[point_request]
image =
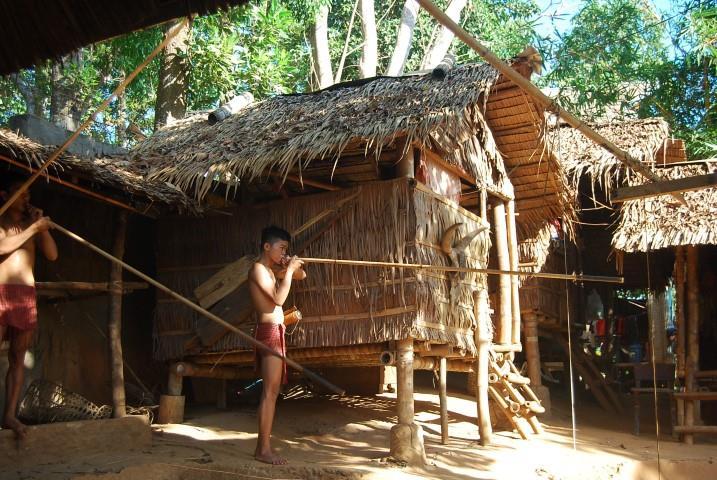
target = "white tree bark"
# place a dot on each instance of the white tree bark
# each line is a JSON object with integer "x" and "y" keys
{"x": 442, "y": 42}
{"x": 320, "y": 47}
{"x": 369, "y": 50}
{"x": 404, "y": 38}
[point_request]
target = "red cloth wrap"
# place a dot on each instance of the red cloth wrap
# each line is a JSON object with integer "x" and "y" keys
{"x": 271, "y": 335}
{"x": 18, "y": 307}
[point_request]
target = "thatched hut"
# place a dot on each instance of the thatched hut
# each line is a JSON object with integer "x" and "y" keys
{"x": 76, "y": 292}
{"x": 403, "y": 159}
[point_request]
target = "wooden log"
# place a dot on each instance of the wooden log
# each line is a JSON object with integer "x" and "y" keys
{"x": 405, "y": 166}
{"x": 171, "y": 409}
{"x": 505, "y": 410}
{"x": 88, "y": 286}
{"x": 514, "y": 280}
{"x": 665, "y": 187}
{"x": 114, "y": 327}
{"x": 693, "y": 320}
{"x": 532, "y": 351}
{"x": 505, "y": 302}
{"x": 443, "y": 398}
{"x": 711, "y": 429}
{"x": 228, "y": 109}
{"x": 679, "y": 275}
{"x": 187, "y": 369}
{"x": 404, "y": 372}
{"x": 482, "y": 340}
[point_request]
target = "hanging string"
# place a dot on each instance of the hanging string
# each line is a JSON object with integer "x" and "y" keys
{"x": 652, "y": 355}
{"x": 570, "y": 348}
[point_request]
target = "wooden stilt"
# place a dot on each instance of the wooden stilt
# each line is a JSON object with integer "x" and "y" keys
{"x": 222, "y": 394}
{"x": 501, "y": 243}
{"x": 693, "y": 354}
{"x": 406, "y": 437}
{"x": 405, "y": 167}
{"x": 483, "y": 341}
{"x": 532, "y": 352}
{"x": 679, "y": 275}
{"x": 443, "y": 400}
{"x": 514, "y": 280}
{"x": 115, "y": 320}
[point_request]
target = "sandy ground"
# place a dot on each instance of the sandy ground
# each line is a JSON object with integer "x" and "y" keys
{"x": 347, "y": 438}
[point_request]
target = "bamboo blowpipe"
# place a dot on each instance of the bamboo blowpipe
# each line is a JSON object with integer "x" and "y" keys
{"x": 545, "y": 101}
{"x": 308, "y": 373}
{"x": 490, "y": 271}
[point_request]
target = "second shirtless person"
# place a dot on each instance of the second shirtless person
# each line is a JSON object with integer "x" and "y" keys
{"x": 269, "y": 284}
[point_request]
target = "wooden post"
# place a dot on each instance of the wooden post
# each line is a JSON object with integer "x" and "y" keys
{"x": 532, "y": 352}
{"x": 484, "y": 205}
{"x": 501, "y": 244}
{"x": 171, "y": 406}
{"x": 115, "y": 320}
{"x": 222, "y": 394}
{"x": 514, "y": 280}
{"x": 679, "y": 275}
{"x": 405, "y": 167}
{"x": 693, "y": 353}
{"x": 443, "y": 397}
{"x": 406, "y": 439}
{"x": 483, "y": 340}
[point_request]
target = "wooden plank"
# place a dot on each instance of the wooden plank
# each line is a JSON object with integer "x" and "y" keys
{"x": 664, "y": 187}
{"x": 701, "y": 396}
{"x": 712, "y": 429}
{"x": 224, "y": 281}
{"x": 87, "y": 286}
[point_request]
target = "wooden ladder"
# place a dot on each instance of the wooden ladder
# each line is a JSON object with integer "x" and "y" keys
{"x": 591, "y": 375}
{"x": 512, "y": 394}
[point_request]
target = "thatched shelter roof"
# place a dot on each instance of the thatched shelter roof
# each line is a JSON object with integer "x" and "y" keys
{"x": 648, "y": 140}
{"x": 292, "y": 132}
{"x": 660, "y": 222}
{"x": 117, "y": 174}
{"x": 37, "y": 30}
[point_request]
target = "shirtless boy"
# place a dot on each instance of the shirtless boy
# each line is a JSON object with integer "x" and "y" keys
{"x": 269, "y": 283}
{"x": 22, "y": 228}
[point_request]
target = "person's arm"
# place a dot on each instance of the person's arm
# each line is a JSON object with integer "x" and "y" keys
{"x": 276, "y": 294}
{"x": 299, "y": 274}
{"x": 44, "y": 240}
{"x": 10, "y": 243}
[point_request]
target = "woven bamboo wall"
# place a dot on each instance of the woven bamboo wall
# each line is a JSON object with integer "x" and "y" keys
{"x": 388, "y": 221}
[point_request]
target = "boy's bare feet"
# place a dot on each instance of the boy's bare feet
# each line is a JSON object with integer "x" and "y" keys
{"x": 270, "y": 457}
{"x": 16, "y": 426}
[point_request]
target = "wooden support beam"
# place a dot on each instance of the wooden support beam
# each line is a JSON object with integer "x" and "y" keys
{"x": 483, "y": 340}
{"x": 665, "y": 187}
{"x": 532, "y": 352}
{"x": 88, "y": 286}
{"x": 115, "y": 320}
{"x": 679, "y": 274}
{"x": 304, "y": 181}
{"x": 514, "y": 281}
{"x": 501, "y": 243}
{"x": 443, "y": 398}
{"x": 693, "y": 320}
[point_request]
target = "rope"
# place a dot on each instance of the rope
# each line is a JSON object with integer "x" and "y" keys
{"x": 654, "y": 368}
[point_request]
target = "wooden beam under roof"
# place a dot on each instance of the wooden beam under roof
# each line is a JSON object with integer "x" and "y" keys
{"x": 665, "y": 187}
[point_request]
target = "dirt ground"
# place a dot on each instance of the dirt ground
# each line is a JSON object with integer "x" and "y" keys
{"x": 347, "y": 438}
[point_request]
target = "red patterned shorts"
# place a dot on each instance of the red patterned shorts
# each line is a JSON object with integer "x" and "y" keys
{"x": 18, "y": 306}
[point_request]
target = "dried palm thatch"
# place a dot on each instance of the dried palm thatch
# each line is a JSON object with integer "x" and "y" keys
{"x": 470, "y": 118}
{"x": 395, "y": 221}
{"x": 289, "y": 132}
{"x": 646, "y": 139}
{"x": 533, "y": 252}
{"x": 115, "y": 173}
{"x": 658, "y": 222}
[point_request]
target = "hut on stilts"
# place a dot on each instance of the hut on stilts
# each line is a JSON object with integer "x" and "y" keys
{"x": 431, "y": 169}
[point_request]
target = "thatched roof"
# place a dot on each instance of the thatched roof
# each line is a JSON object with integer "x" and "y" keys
{"x": 648, "y": 140}
{"x": 292, "y": 132}
{"x": 659, "y": 222}
{"x": 33, "y": 31}
{"x": 114, "y": 173}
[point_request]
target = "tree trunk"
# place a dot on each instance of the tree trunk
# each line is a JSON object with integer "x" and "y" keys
{"x": 319, "y": 39}
{"x": 64, "y": 103}
{"x": 27, "y": 91}
{"x": 404, "y": 38}
{"x": 369, "y": 50}
{"x": 442, "y": 42}
{"x": 121, "y": 129}
{"x": 172, "y": 88}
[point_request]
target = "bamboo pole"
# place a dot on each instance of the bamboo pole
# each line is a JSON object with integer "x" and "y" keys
{"x": 120, "y": 88}
{"x": 72, "y": 186}
{"x": 115, "y": 321}
{"x": 404, "y": 372}
{"x": 679, "y": 275}
{"x": 443, "y": 400}
{"x": 483, "y": 341}
{"x": 514, "y": 280}
{"x": 543, "y": 100}
{"x": 693, "y": 353}
{"x": 532, "y": 352}
{"x": 441, "y": 268}
{"x": 504, "y": 294}
{"x": 306, "y": 372}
